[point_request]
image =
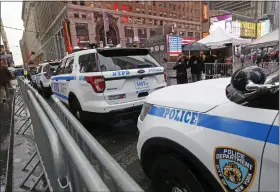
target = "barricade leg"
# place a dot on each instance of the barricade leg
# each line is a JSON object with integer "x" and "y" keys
{"x": 26, "y": 128}
{"x": 32, "y": 157}
{"x": 29, "y": 174}
{"x": 23, "y": 125}
{"x": 37, "y": 181}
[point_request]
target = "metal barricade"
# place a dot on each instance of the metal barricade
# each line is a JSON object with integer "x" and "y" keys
{"x": 87, "y": 166}
{"x": 218, "y": 70}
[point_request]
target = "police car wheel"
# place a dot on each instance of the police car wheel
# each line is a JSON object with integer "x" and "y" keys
{"x": 170, "y": 174}
{"x": 76, "y": 108}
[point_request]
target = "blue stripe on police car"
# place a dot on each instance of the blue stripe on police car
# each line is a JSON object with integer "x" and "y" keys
{"x": 248, "y": 129}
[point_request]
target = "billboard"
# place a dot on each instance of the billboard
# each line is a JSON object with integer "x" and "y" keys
{"x": 263, "y": 28}
{"x": 244, "y": 29}
{"x": 223, "y": 21}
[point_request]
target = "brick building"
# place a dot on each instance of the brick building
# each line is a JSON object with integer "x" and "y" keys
{"x": 128, "y": 22}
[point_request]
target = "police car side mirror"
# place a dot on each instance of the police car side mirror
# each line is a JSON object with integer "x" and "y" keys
{"x": 164, "y": 59}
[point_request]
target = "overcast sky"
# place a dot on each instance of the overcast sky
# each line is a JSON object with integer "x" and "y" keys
{"x": 11, "y": 16}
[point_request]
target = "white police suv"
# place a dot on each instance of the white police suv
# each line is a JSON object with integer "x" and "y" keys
{"x": 213, "y": 135}
{"x": 42, "y": 77}
{"x": 107, "y": 85}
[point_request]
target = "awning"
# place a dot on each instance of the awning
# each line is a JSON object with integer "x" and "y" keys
{"x": 221, "y": 37}
{"x": 270, "y": 39}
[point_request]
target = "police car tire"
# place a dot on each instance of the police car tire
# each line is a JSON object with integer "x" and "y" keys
{"x": 75, "y": 106}
{"x": 170, "y": 168}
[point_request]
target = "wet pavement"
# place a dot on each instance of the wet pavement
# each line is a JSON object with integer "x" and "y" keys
{"x": 23, "y": 149}
{"x": 5, "y": 120}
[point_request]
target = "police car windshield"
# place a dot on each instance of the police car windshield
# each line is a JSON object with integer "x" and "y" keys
{"x": 121, "y": 59}
{"x": 54, "y": 65}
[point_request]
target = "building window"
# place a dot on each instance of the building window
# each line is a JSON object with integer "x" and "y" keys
{"x": 160, "y": 4}
{"x": 190, "y": 34}
{"x": 74, "y": 2}
{"x": 82, "y": 34}
{"x": 155, "y": 13}
{"x": 76, "y": 14}
{"x": 83, "y": 15}
{"x": 82, "y": 3}
{"x": 150, "y": 12}
{"x": 149, "y": 3}
{"x": 197, "y": 35}
{"x": 152, "y": 32}
{"x": 161, "y": 23}
{"x": 129, "y": 32}
{"x": 154, "y": 3}
{"x": 155, "y": 22}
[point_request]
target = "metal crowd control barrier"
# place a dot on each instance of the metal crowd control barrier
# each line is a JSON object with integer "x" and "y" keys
{"x": 71, "y": 158}
{"x": 217, "y": 70}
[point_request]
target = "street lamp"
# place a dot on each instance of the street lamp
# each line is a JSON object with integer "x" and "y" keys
{"x": 104, "y": 22}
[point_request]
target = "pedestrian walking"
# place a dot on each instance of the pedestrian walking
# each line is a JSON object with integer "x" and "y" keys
{"x": 197, "y": 66}
{"x": 5, "y": 77}
{"x": 181, "y": 69}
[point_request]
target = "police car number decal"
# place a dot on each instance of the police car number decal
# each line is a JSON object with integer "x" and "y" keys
{"x": 188, "y": 117}
{"x": 155, "y": 70}
{"x": 120, "y": 73}
{"x": 236, "y": 169}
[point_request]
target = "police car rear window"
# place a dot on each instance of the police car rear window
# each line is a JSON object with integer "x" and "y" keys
{"x": 123, "y": 59}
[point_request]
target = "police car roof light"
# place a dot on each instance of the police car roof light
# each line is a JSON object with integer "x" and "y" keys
{"x": 97, "y": 83}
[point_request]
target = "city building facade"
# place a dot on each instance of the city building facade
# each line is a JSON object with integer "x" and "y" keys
{"x": 30, "y": 41}
{"x": 128, "y": 22}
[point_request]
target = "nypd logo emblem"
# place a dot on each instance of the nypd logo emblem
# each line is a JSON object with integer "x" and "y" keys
{"x": 235, "y": 169}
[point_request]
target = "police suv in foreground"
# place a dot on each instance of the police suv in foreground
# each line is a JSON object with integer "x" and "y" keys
{"x": 107, "y": 85}
{"x": 214, "y": 135}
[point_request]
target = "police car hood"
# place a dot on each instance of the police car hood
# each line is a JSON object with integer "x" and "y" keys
{"x": 200, "y": 96}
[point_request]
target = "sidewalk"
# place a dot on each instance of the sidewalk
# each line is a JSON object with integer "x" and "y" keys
{"x": 23, "y": 148}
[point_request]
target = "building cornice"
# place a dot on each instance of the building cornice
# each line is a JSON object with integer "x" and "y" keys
{"x": 84, "y": 8}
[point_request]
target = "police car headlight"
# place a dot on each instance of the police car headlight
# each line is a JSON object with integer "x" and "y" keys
{"x": 145, "y": 110}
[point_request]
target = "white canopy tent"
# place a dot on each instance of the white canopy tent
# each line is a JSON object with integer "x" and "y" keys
{"x": 221, "y": 37}
{"x": 270, "y": 39}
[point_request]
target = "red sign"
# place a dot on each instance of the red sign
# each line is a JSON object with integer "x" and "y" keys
{"x": 188, "y": 40}
{"x": 204, "y": 13}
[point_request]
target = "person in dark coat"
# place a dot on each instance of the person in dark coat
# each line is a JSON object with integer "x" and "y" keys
{"x": 196, "y": 64}
{"x": 181, "y": 69}
{"x": 209, "y": 65}
{"x": 5, "y": 77}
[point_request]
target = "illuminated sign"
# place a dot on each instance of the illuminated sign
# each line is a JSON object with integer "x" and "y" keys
{"x": 247, "y": 29}
{"x": 67, "y": 39}
{"x": 222, "y": 21}
{"x": 204, "y": 13}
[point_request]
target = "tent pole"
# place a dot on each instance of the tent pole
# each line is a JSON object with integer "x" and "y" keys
{"x": 232, "y": 47}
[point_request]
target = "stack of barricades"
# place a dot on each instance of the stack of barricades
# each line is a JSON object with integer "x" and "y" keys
{"x": 71, "y": 158}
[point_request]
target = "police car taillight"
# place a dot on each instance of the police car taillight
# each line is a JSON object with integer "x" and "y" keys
{"x": 165, "y": 76}
{"x": 145, "y": 110}
{"x": 97, "y": 83}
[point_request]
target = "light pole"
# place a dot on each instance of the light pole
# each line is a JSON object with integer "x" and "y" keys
{"x": 104, "y": 21}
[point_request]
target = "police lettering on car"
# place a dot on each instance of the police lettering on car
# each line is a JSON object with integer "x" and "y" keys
{"x": 184, "y": 116}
